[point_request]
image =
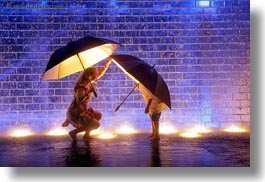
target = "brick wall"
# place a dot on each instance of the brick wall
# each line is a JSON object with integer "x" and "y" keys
{"x": 200, "y": 47}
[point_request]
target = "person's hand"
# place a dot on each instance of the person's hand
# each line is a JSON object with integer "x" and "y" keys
{"x": 90, "y": 109}
{"x": 90, "y": 90}
{"x": 148, "y": 106}
{"x": 146, "y": 111}
{"x": 136, "y": 87}
{"x": 78, "y": 125}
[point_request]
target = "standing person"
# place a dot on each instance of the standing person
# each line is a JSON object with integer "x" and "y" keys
{"x": 82, "y": 117}
{"x": 154, "y": 107}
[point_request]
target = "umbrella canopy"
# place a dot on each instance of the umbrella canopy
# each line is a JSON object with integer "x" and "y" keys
{"x": 142, "y": 72}
{"x": 77, "y": 56}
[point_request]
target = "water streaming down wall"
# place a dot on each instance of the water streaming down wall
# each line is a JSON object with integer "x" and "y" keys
{"x": 200, "y": 47}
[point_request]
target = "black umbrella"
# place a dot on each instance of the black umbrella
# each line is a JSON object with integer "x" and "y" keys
{"x": 77, "y": 56}
{"x": 142, "y": 72}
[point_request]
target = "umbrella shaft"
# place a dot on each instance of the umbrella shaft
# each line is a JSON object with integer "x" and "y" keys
{"x": 95, "y": 94}
{"x": 117, "y": 108}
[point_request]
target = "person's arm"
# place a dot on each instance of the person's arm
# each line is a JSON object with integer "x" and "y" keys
{"x": 148, "y": 106}
{"x": 104, "y": 69}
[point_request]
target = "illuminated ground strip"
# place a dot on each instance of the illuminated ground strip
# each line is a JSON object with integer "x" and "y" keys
{"x": 57, "y": 132}
{"x": 127, "y": 130}
{"x": 235, "y": 129}
{"x": 21, "y": 133}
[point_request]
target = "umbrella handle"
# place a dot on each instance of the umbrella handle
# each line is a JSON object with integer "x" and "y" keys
{"x": 93, "y": 90}
{"x": 117, "y": 108}
{"x": 95, "y": 93}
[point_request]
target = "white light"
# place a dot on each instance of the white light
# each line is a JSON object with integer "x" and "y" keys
{"x": 95, "y": 132}
{"x": 167, "y": 129}
{"x": 200, "y": 129}
{"x": 235, "y": 129}
{"x": 190, "y": 135}
{"x": 21, "y": 133}
{"x": 57, "y": 132}
{"x": 106, "y": 136}
{"x": 126, "y": 130}
{"x": 205, "y": 3}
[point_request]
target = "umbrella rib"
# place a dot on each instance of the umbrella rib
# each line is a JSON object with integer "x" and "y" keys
{"x": 104, "y": 49}
{"x": 81, "y": 61}
{"x": 58, "y": 76}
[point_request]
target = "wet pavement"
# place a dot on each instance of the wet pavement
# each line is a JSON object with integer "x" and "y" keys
{"x": 218, "y": 150}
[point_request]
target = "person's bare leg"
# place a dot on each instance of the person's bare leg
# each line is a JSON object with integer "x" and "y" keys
{"x": 92, "y": 126}
{"x": 156, "y": 134}
{"x": 87, "y": 135}
{"x": 74, "y": 132}
{"x": 153, "y": 129}
{"x": 155, "y": 120}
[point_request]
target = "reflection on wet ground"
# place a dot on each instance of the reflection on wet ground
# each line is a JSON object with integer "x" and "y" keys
{"x": 127, "y": 151}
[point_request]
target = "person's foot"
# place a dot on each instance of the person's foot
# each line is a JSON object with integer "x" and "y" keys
{"x": 87, "y": 137}
{"x": 73, "y": 135}
{"x": 151, "y": 136}
{"x": 154, "y": 137}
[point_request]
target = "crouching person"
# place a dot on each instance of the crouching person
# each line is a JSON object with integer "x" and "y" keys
{"x": 83, "y": 121}
{"x": 82, "y": 117}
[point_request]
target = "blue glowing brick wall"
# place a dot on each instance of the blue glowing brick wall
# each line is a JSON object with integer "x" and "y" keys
{"x": 200, "y": 47}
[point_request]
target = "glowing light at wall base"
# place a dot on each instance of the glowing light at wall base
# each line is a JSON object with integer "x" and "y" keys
{"x": 21, "y": 133}
{"x": 167, "y": 129}
{"x": 200, "y": 129}
{"x": 57, "y": 132}
{"x": 126, "y": 130}
{"x": 190, "y": 135}
{"x": 235, "y": 129}
{"x": 95, "y": 132}
{"x": 106, "y": 136}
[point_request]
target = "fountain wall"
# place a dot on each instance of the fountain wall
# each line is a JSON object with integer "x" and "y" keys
{"x": 200, "y": 47}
